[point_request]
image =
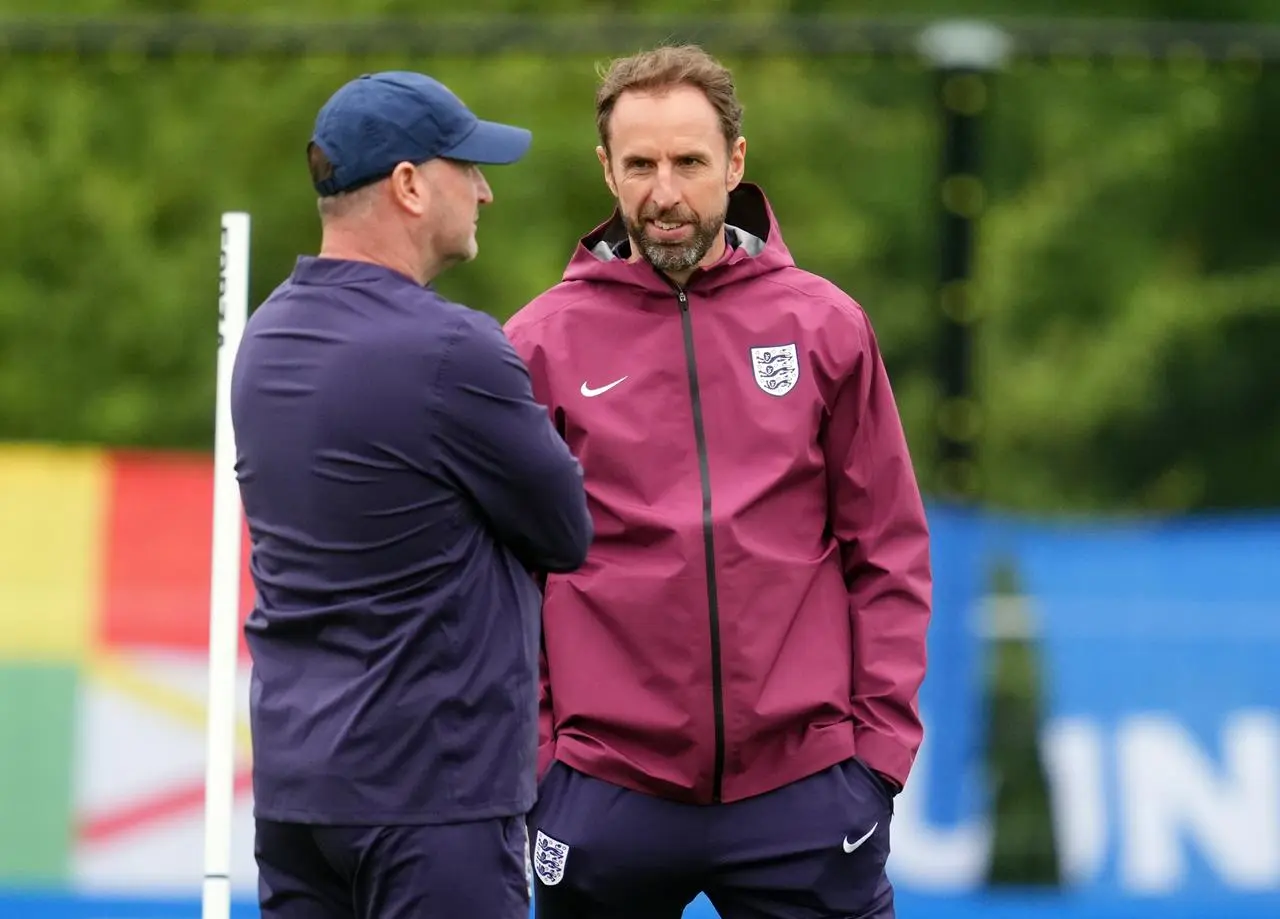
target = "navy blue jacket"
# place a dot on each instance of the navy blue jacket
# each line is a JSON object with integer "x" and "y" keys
{"x": 400, "y": 483}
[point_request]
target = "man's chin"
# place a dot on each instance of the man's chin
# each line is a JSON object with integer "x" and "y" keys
{"x": 670, "y": 258}
{"x": 466, "y": 254}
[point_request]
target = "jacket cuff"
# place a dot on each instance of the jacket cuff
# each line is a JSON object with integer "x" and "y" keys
{"x": 883, "y": 754}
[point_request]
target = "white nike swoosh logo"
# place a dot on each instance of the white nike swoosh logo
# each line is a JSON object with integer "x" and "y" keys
{"x": 850, "y": 846}
{"x": 589, "y": 392}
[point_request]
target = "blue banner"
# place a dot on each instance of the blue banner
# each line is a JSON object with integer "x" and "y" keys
{"x": 995, "y": 906}
{"x": 950, "y": 699}
{"x": 1161, "y": 649}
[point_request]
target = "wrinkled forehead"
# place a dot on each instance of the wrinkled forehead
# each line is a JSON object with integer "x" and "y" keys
{"x": 664, "y": 122}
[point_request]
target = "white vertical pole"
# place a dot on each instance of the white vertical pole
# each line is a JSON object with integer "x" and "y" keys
{"x": 224, "y": 592}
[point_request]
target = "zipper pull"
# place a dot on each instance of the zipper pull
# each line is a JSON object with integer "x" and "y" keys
{"x": 684, "y": 300}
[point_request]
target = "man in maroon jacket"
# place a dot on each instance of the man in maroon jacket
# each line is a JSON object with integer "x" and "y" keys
{"x": 729, "y": 684}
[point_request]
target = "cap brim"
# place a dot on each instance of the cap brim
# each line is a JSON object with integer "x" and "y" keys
{"x": 492, "y": 144}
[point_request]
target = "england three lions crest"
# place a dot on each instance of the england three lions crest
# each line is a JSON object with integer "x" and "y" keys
{"x": 549, "y": 856}
{"x": 776, "y": 368}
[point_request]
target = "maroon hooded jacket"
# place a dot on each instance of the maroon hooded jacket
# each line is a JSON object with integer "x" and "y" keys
{"x": 754, "y": 606}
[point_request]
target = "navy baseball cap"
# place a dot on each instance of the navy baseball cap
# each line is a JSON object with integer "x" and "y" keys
{"x": 379, "y": 120}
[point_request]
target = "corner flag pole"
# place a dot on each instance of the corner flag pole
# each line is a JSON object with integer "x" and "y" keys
{"x": 224, "y": 587}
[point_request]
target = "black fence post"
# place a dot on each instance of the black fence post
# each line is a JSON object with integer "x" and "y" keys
{"x": 964, "y": 56}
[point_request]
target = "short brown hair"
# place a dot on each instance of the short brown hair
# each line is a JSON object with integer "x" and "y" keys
{"x": 666, "y": 67}
{"x": 318, "y": 164}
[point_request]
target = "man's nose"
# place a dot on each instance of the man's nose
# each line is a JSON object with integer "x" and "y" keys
{"x": 483, "y": 192}
{"x": 666, "y": 191}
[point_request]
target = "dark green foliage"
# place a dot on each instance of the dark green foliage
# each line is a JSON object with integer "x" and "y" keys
{"x": 1127, "y": 277}
{"x": 1126, "y": 270}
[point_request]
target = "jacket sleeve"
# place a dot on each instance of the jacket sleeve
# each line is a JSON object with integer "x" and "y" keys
{"x": 878, "y": 518}
{"x": 500, "y": 447}
{"x": 527, "y": 347}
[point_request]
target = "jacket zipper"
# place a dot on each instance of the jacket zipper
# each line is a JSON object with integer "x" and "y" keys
{"x": 704, "y": 470}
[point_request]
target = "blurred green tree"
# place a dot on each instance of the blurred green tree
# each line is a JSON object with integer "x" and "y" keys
{"x": 1126, "y": 270}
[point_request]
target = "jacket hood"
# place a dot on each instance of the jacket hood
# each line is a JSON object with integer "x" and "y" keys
{"x": 757, "y": 248}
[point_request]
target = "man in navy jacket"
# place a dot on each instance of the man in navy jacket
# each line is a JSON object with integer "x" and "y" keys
{"x": 402, "y": 487}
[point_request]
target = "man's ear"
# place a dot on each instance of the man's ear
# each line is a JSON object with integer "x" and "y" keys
{"x": 409, "y": 189}
{"x": 603, "y": 156}
{"x": 737, "y": 163}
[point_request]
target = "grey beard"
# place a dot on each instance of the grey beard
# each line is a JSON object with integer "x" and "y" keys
{"x": 666, "y": 257}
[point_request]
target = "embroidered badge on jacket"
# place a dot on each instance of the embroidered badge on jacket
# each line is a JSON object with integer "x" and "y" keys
{"x": 776, "y": 368}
